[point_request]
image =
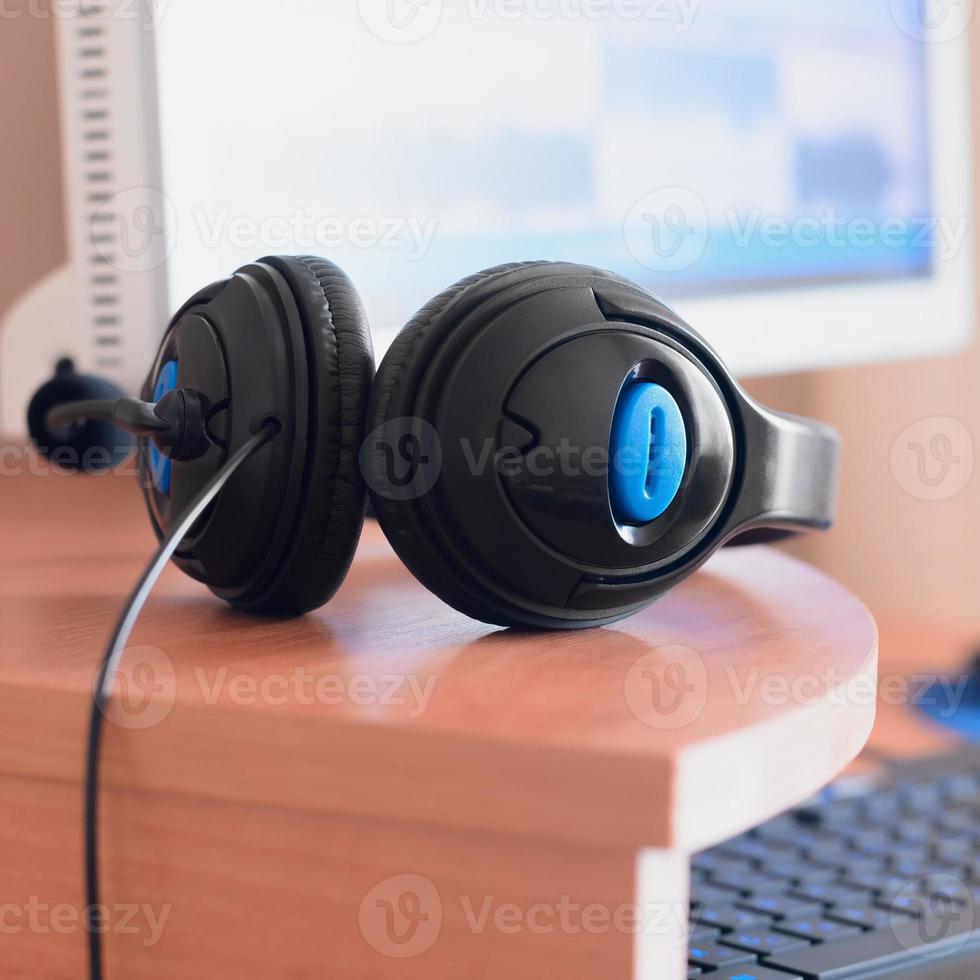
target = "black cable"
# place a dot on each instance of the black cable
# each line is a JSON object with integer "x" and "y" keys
{"x": 127, "y": 413}
{"x": 96, "y": 410}
{"x": 109, "y": 667}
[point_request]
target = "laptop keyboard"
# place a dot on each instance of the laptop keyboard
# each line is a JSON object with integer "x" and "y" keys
{"x": 878, "y": 875}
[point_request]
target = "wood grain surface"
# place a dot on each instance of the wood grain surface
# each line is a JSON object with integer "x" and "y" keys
{"x": 263, "y": 776}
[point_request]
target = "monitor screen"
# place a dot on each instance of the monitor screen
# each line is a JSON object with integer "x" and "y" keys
{"x": 699, "y": 147}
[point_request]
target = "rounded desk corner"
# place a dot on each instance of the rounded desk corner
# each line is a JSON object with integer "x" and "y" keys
{"x": 732, "y": 698}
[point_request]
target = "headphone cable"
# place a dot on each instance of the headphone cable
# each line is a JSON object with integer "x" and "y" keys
{"x": 109, "y": 667}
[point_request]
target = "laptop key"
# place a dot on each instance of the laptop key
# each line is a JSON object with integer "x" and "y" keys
{"x": 747, "y": 851}
{"x": 708, "y": 894}
{"x": 754, "y": 884}
{"x": 712, "y": 956}
{"x": 864, "y": 916}
{"x": 863, "y": 864}
{"x": 752, "y": 973}
{"x": 817, "y": 930}
{"x": 703, "y": 934}
{"x": 728, "y": 917}
{"x": 781, "y": 906}
{"x": 762, "y": 943}
{"x": 918, "y": 832}
{"x": 953, "y": 850}
{"x": 831, "y": 894}
{"x": 945, "y": 885}
{"x": 878, "y": 883}
{"x": 796, "y": 872}
{"x": 925, "y": 906}
{"x": 960, "y": 788}
{"x": 961, "y": 819}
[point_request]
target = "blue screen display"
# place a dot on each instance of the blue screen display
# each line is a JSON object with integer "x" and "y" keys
{"x": 766, "y": 144}
{"x": 695, "y": 146}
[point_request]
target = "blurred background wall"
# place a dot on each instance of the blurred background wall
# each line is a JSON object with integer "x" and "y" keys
{"x": 909, "y": 558}
{"x": 32, "y": 239}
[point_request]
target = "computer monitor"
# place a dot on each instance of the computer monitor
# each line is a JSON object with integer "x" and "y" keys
{"x": 794, "y": 178}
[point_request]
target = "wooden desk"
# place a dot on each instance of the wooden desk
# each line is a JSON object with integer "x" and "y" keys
{"x": 385, "y": 789}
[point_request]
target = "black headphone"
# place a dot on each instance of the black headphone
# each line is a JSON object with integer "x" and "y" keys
{"x": 545, "y": 445}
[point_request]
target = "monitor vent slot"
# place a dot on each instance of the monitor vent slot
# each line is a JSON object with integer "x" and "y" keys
{"x": 92, "y": 50}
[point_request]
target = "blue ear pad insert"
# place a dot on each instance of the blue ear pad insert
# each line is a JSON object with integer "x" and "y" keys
{"x": 161, "y": 468}
{"x": 647, "y": 452}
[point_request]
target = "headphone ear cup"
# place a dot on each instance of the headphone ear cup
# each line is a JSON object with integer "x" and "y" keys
{"x": 88, "y": 447}
{"x": 490, "y": 435}
{"x": 395, "y": 515}
{"x": 330, "y": 512}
